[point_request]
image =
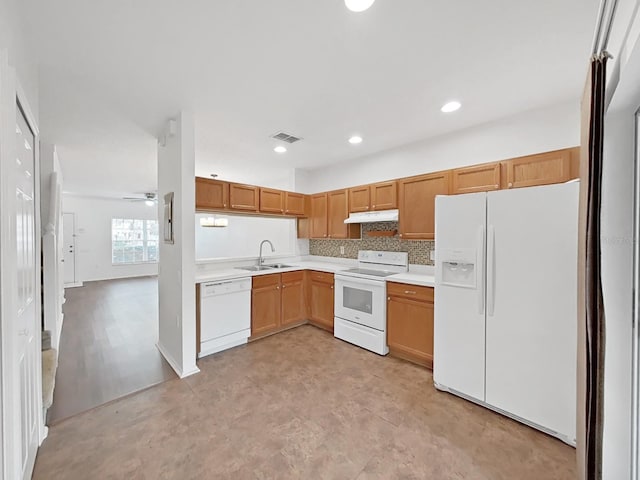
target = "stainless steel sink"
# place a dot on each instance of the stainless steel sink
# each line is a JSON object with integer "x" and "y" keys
{"x": 278, "y": 265}
{"x": 256, "y": 268}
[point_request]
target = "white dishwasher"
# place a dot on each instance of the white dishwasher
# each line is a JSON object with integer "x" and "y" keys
{"x": 225, "y": 315}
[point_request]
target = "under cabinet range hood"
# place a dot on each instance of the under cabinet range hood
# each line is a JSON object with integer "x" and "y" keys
{"x": 370, "y": 217}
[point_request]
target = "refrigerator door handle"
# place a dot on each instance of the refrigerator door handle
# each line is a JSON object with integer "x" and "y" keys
{"x": 491, "y": 270}
{"x": 480, "y": 262}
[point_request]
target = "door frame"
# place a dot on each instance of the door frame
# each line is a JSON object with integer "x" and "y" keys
{"x": 635, "y": 338}
{"x": 75, "y": 283}
{"x": 9, "y": 393}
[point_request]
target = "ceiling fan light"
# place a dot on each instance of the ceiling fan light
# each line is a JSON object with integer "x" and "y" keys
{"x": 358, "y": 5}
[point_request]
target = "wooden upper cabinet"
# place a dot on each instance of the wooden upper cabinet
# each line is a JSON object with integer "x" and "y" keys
{"x": 478, "y": 178}
{"x": 271, "y": 201}
{"x": 384, "y": 195}
{"x": 293, "y": 301}
{"x": 211, "y": 194}
{"x": 541, "y": 169}
{"x": 294, "y": 203}
{"x": 360, "y": 199}
{"x": 318, "y": 216}
{"x": 416, "y": 202}
{"x": 243, "y": 197}
{"x": 337, "y": 213}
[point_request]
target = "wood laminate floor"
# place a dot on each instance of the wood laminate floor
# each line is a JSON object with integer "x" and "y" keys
{"x": 300, "y": 405}
{"x": 108, "y": 345}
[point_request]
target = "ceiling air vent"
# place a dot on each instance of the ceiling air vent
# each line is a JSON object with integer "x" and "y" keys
{"x": 285, "y": 137}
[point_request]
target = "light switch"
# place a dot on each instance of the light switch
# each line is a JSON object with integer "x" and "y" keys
{"x": 341, "y": 249}
{"x": 432, "y": 255}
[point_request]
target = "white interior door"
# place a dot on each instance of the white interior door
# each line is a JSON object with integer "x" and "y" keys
{"x": 69, "y": 247}
{"x": 459, "y": 322}
{"x": 26, "y": 315}
{"x": 532, "y": 304}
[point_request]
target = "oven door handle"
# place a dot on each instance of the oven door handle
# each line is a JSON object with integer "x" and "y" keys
{"x": 358, "y": 282}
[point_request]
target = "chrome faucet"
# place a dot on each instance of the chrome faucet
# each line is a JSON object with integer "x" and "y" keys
{"x": 260, "y": 258}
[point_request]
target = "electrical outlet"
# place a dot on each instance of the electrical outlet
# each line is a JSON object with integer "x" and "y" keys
{"x": 341, "y": 249}
{"x": 432, "y": 255}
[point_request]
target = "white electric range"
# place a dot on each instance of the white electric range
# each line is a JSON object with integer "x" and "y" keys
{"x": 361, "y": 299}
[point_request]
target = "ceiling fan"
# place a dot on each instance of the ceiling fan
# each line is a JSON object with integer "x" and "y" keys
{"x": 150, "y": 199}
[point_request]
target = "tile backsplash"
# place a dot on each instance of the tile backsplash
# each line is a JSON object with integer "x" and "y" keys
{"x": 419, "y": 250}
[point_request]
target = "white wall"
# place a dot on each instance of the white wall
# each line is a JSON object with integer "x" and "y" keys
{"x": 530, "y": 132}
{"x": 176, "y": 279}
{"x": 242, "y": 237}
{"x": 93, "y": 236}
{"x": 21, "y": 55}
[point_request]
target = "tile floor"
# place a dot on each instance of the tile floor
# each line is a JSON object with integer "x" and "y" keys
{"x": 299, "y": 404}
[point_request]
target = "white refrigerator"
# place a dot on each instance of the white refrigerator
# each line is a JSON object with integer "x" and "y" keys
{"x": 506, "y": 303}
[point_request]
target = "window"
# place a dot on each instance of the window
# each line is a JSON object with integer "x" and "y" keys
{"x": 134, "y": 241}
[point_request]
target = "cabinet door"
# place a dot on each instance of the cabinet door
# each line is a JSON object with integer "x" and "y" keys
{"x": 294, "y": 203}
{"x": 359, "y": 200}
{"x": 479, "y": 178}
{"x": 417, "y": 204}
{"x": 211, "y": 194}
{"x": 384, "y": 196}
{"x": 319, "y": 215}
{"x": 542, "y": 169}
{"x": 410, "y": 329}
{"x": 293, "y": 304}
{"x": 243, "y": 197}
{"x": 271, "y": 201}
{"x": 321, "y": 302}
{"x": 337, "y": 213}
{"x": 265, "y": 304}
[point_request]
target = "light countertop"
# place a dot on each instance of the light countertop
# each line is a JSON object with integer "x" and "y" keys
{"x": 412, "y": 278}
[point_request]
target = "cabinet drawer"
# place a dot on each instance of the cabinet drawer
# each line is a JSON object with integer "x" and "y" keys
{"x": 261, "y": 281}
{"x": 292, "y": 277}
{"x": 414, "y": 292}
{"x": 322, "y": 277}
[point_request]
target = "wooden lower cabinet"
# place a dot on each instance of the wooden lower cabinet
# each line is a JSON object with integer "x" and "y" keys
{"x": 292, "y": 298}
{"x": 321, "y": 298}
{"x": 265, "y": 304}
{"x": 410, "y": 322}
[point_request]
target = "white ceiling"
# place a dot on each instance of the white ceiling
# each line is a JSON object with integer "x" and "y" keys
{"x": 112, "y": 72}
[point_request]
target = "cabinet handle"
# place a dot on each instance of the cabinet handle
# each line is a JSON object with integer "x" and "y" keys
{"x": 410, "y": 292}
{"x": 331, "y": 287}
{"x": 400, "y": 235}
{"x": 388, "y": 298}
{"x": 278, "y": 287}
{"x": 283, "y": 286}
{"x": 224, "y": 205}
{"x": 510, "y": 184}
{"x": 373, "y": 206}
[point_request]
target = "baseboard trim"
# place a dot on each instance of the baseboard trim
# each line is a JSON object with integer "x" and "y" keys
{"x": 175, "y": 365}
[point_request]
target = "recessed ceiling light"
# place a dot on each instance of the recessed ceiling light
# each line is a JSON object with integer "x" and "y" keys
{"x": 279, "y": 149}
{"x": 358, "y": 5}
{"x": 149, "y": 203}
{"x": 355, "y": 140}
{"x": 451, "y": 107}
